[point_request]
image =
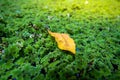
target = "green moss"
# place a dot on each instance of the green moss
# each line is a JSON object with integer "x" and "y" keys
{"x": 27, "y": 51}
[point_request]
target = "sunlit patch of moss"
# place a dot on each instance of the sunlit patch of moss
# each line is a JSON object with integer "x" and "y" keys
{"x": 28, "y": 52}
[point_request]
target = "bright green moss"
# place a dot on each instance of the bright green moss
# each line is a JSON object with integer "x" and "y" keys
{"x": 28, "y": 52}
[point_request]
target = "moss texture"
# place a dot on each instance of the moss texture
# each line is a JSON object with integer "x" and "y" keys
{"x": 28, "y": 52}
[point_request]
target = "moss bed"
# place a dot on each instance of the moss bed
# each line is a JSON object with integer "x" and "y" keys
{"x": 28, "y": 52}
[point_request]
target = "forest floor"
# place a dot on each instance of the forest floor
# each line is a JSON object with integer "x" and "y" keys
{"x": 28, "y": 52}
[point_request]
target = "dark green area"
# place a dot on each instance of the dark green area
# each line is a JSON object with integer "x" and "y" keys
{"x": 28, "y": 52}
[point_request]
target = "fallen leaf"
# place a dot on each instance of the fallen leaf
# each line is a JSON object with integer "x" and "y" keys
{"x": 64, "y": 41}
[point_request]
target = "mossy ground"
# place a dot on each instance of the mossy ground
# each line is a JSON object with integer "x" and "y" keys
{"x": 28, "y": 52}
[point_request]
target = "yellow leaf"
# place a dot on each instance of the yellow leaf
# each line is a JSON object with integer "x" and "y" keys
{"x": 64, "y": 41}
